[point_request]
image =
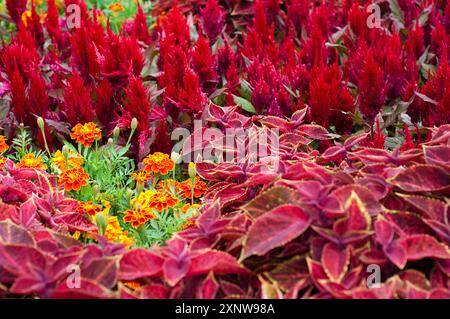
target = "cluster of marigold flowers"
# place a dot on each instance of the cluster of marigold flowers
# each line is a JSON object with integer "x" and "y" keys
{"x": 166, "y": 194}
{"x": 112, "y": 230}
{"x": 73, "y": 176}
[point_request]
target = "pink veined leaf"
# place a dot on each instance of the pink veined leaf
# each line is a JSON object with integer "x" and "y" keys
{"x": 102, "y": 271}
{"x": 14, "y": 234}
{"x": 313, "y": 131}
{"x": 275, "y": 228}
{"x": 208, "y": 288}
{"x": 270, "y": 199}
{"x": 88, "y": 290}
{"x": 153, "y": 291}
{"x": 423, "y": 246}
{"x": 384, "y": 232}
{"x": 215, "y": 261}
{"x": 422, "y": 178}
{"x": 427, "y": 206}
{"x": 18, "y": 259}
{"x": 174, "y": 270}
{"x": 140, "y": 263}
{"x": 75, "y": 222}
{"x": 437, "y": 155}
{"x": 335, "y": 261}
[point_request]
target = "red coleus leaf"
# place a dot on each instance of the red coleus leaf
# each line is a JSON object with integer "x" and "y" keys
{"x": 269, "y": 200}
{"x": 75, "y": 222}
{"x": 140, "y": 263}
{"x": 102, "y": 271}
{"x": 335, "y": 261}
{"x": 437, "y": 155}
{"x": 422, "y": 178}
{"x": 275, "y": 228}
{"x": 153, "y": 291}
{"x": 13, "y": 234}
{"x": 88, "y": 289}
{"x": 208, "y": 288}
{"x": 423, "y": 246}
{"x": 19, "y": 259}
{"x": 217, "y": 262}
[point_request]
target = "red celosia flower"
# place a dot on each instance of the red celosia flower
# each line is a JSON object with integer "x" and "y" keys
{"x": 52, "y": 24}
{"x": 203, "y": 63}
{"x": 140, "y": 28}
{"x": 15, "y": 9}
{"x": 35, "y": 27}
{"x": 77, "y": 101}
{"x": 329, "y": 99}
{"x": 371, "y": 89}
{"x": 212, "y": 17}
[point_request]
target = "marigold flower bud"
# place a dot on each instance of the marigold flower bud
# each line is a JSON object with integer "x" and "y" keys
{"x": 116, "y": 133}
{"x": 65, "y": 151}
{"x": 192, "y": 171}
{"x": 134, "y": 123}
{"x": 40, "y": 122}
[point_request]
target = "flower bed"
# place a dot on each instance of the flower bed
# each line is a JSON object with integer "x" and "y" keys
{"x": 217, "y": 149}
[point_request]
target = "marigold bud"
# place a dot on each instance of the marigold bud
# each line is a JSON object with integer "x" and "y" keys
{"x": 40, "y": 122}
{"x": 192, "y": 171}
{"x": 134, "y": 123}
{"x": 110, "y": 142}
{"x": 116, "y": 133}
{"x": 102, "y": 222}
{"x": 65, "y": 151}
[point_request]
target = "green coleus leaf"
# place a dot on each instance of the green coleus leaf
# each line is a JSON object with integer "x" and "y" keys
{"x": 244, "y": 104}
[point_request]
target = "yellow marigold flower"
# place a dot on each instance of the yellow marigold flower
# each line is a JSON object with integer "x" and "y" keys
{"x": 158, "y": 163}
{"x": 26, "y": 15}
{"x": 3, "y": 146}
{"x": 114, "y": 232}
{"x": 200, "y": 187}
{"x": 30, "y": 161}
{"x": 88, "y": 208}
{"x": 76, "y": 235}
{"x": 162, "y": 201}
{"x": 2, "y": 161}
{"x": 86, "y": 134}
{"x": 144, "y": 199}
{"x": 116, "y": 7}
{"x": 141, "y": 176}
{"x": 73, "y": 160}
{"x": 73, "y": 178}
{"x": 138, "y": 216}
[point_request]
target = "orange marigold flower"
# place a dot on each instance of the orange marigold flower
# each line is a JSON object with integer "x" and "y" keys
{"x": 158, "y": 163}
{"x": 3, "y": 145}
{"x": 141, "y": 176}
{"x": 88, "y": 208}
{"x": 144, "y": 199}
{"x": 199, "y": 187}
{"x": 186, "y": 207}
{"x": 73, "y": 160}
{"x": 168, "y": 185}
{"x": 161, "y": 201}
{"x": 189, "y": 223}
{"x": 73, "y": 178}
{"x": 132, "y": 285}
{"x": 86, "y": 134}
{"x": 31, "y": 161}
{"x": 116, "y": 7}
{"x": 138, "y": 216}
